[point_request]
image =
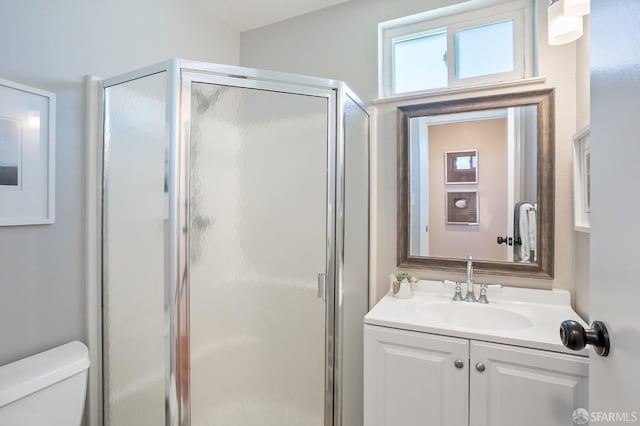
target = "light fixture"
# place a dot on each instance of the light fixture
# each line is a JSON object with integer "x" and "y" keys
{"x": 562, "y": 28}
{"x": 577, "y": 7}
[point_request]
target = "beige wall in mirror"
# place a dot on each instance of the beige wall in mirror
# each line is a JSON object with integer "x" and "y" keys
{"x": 446, "y": 239}
{"x": 350, "y": 53}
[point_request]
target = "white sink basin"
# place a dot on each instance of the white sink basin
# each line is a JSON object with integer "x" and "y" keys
{"x": 474, "y": 316}
{"x": 514, "y": 316}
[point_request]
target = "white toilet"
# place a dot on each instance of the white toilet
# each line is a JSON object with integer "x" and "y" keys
{"x": 46, "y": 389}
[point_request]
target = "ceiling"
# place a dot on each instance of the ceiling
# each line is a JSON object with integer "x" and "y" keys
{"x": 243, "y": 15}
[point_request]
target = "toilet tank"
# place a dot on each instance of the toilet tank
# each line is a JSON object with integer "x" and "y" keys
{"x": 46, "y": 389}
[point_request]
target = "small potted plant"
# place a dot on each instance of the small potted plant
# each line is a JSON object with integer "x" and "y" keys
{"x": 402, "y": 285}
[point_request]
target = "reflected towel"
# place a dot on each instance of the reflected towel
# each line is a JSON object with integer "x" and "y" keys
{"x": 527, "y": 228}
{"x": 533, "y": 233}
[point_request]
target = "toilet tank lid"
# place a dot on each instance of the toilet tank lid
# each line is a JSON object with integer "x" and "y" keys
{"x": 28, "y": 375}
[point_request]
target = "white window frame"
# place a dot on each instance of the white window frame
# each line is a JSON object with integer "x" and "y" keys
{"x": 454, "y": 18}
{"x": 407, "y": 37}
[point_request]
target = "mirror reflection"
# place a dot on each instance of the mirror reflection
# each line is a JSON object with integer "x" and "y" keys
{"x": 476, "y": 175}
{"x": 473, "y": 184}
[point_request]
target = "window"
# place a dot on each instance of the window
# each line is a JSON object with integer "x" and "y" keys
{"x": 427, "y": 53}
{"x": 457, "y": 46}
{"x": 473, "y": 59}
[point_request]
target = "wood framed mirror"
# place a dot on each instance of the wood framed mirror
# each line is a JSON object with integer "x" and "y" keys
{"x": 502, "y": 148}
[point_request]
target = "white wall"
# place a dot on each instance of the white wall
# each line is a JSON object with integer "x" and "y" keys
{"x": 52, "y": 45}
{"x": 583, "y": 118}
{"x": 341, "y": 42}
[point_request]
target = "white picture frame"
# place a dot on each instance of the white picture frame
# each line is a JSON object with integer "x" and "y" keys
{"x": 582, "y": 180}
{"x": 27, "y": 155}
{"x": 461, "y": 208}
{"x": 454, "y": 174}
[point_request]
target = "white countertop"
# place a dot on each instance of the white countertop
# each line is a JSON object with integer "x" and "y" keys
{"x": 531, "y": 317}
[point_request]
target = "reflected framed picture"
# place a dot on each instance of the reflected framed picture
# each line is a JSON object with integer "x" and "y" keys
{"x": 582, "y": 180}
{"x": 27, "y": 155}
{"x": 461, "y": 167}
{"x": 462, "y": 208}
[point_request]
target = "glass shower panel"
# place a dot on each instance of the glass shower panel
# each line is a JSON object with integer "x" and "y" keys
{"x": 133, "y": 252}
{"x": 258, "y": 239}
{"x": 355, "y": 276}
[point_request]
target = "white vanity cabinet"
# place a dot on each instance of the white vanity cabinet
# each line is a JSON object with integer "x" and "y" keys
{"x": 414, "y": 378}
{"x": 510, "y": 385}
{"x": 411, "y": 378}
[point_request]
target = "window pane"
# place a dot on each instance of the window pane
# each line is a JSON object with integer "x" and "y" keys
{"x": 420, "y": 63}
{"x": 484, "y": 50}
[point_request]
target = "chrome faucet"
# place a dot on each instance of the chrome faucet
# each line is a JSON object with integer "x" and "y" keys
{"x": 470, "y": 297}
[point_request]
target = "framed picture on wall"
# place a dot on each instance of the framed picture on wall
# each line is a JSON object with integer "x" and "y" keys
{"x": 461, "y": 167}
{"x": 462, "y": 208}
{"x": 27, "y": 155}
{"x": 582, "y": 180}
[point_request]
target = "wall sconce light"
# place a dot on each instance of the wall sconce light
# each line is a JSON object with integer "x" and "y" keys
{"x": 564, "y": 28}
{"x": 577, "y": 7}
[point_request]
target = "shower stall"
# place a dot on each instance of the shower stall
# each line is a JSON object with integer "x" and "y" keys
{"x": 235, "y": 248}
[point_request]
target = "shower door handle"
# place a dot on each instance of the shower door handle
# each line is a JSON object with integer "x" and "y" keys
{"x": 322, "y": 284}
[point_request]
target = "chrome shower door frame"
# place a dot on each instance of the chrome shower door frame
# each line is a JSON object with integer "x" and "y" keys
{"x": 344, "y": 93}
{"x": 177, "y": 383}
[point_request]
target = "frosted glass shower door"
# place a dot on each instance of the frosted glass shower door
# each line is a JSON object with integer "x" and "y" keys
{"x": 354, "y": 300}
{"x": 258, "y": 230}
{"x": 134, "y": 235}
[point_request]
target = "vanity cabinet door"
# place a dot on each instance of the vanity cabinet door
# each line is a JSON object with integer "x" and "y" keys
{"x": 525, "y": 387}
{"x": 411, "y": 379}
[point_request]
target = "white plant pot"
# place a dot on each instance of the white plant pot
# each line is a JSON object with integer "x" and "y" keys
{"x": 403, "y": 290}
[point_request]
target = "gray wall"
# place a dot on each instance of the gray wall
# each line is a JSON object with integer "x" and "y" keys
{"x": 51, "y": 45}
{"x": 341, "y": 42}
{"x": 337, "y": 42}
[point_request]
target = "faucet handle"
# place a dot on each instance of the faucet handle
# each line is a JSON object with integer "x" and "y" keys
{"x": 483, "y": 294}
{"x": 458, "y": 295}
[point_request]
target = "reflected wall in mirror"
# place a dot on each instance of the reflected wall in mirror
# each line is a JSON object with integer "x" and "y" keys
{"x": 476, "y": 176}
